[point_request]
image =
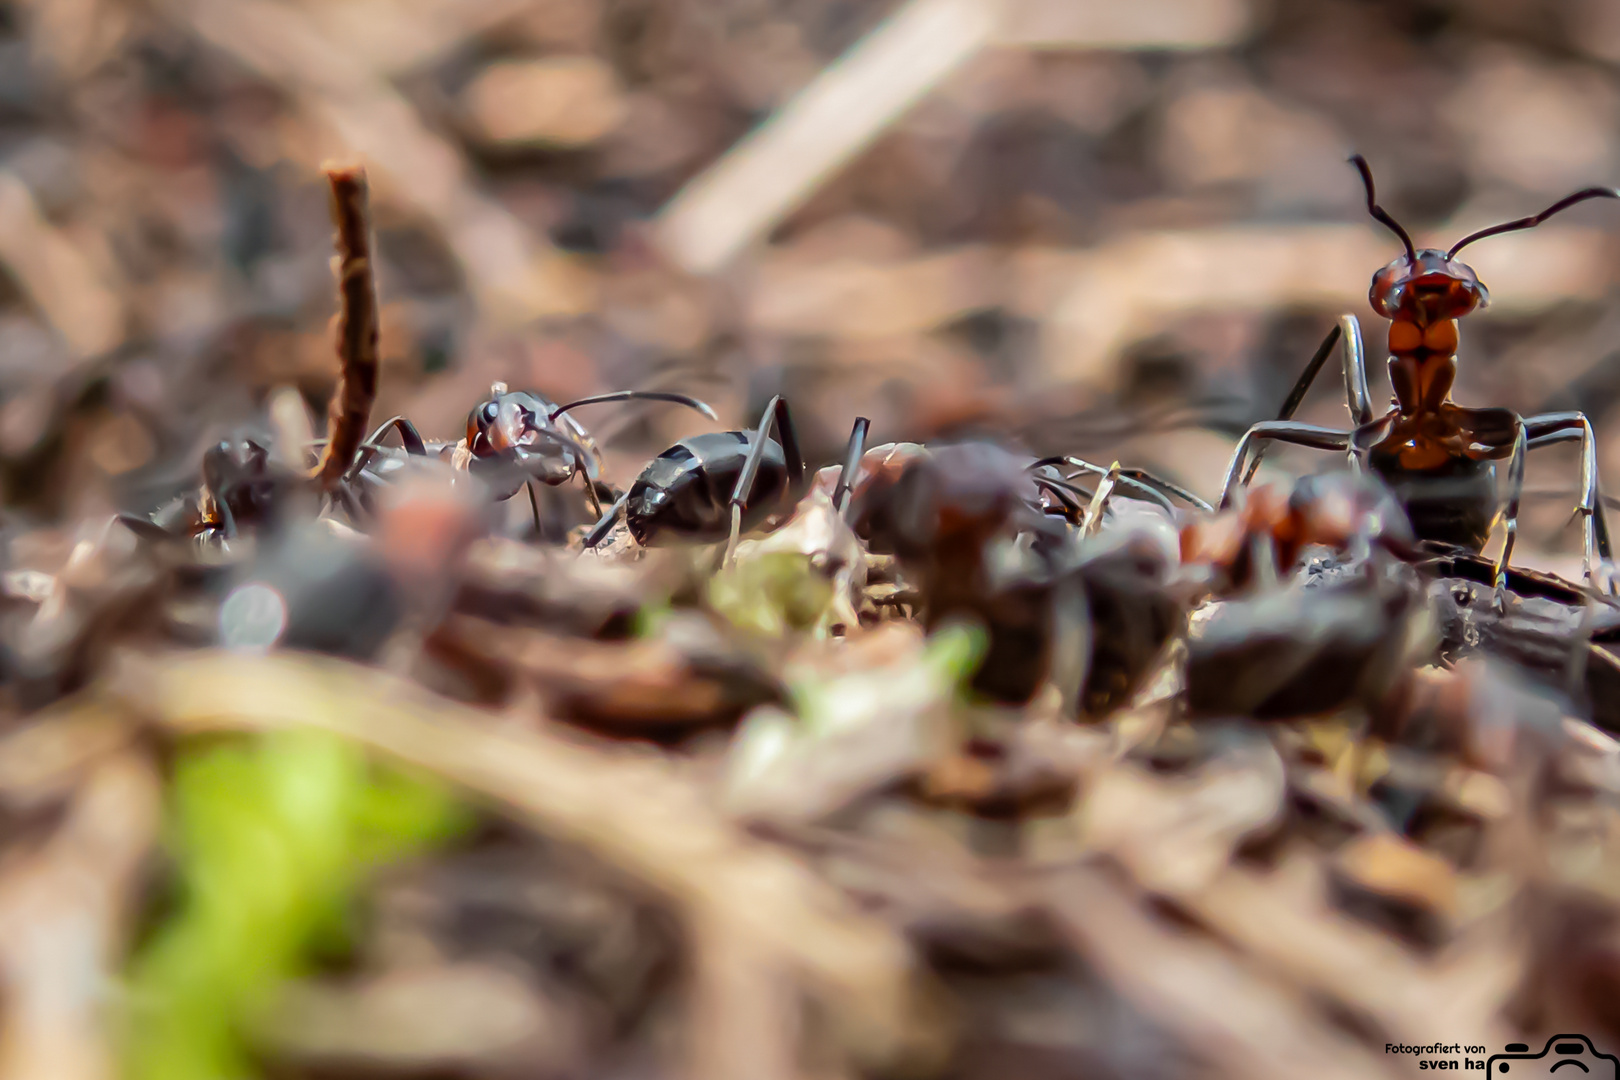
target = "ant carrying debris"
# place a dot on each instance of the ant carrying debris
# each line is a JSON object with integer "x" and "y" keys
{"x": 1438, "y": 457}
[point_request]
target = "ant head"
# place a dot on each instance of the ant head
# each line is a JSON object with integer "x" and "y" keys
{"x": 1431, "y": 285}
{"x": 234, "y": 461}
{"x": 1427, "y": 287}
{"x": 504, "y": 421}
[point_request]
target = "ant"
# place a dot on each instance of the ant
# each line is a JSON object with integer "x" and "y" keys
{"x": 1294, "y": 636}
{"x": 517, "y": 438}
{"x": 1438, "y": 457}
{"x": 718, "y": 485}
{"x": 1264, "y": 539}
{"x": 1062, "y": 601}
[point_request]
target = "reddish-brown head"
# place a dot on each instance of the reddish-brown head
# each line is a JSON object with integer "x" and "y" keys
{"x": 505, "y": 421}
{"x": 1426, "y": 288}
{"x": 1430, "y": 287}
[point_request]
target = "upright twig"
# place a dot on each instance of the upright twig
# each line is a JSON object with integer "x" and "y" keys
{"x": 355, "y": 326}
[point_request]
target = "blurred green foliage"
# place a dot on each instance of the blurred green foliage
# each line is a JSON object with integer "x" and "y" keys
{"x": 271, "y": 837}
{"x": 771, "y": 593}
{"x": 939, "y": 673}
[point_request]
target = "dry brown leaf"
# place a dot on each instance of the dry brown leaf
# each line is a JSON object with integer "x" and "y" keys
{"x": 565, "y": 101}
{"x": 1390, "y": 866}
{"x": 458, "y": 1016}
{"x": 63, "y": 911}
{"x": 60, "y": 277}
{"x": 1242, "y": 1024}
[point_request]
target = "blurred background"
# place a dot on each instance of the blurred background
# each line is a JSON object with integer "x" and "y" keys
{"x": 1117, "y": 229}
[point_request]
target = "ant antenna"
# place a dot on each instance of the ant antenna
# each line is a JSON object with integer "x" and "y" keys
{"x": 1531, "y": 222}
{"x": 1379, "y": 213}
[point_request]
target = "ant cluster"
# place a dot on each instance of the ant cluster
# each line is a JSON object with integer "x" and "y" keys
{"x": 1102, "y": 584}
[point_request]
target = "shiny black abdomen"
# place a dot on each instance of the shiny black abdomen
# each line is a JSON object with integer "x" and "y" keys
{"x": 1454, "y": 504}
{"x": 684, "y": 494}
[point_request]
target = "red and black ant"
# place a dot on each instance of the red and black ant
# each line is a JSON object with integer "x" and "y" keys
{"x": 1438, "y": 457}
{"x": 1294, "y": 636}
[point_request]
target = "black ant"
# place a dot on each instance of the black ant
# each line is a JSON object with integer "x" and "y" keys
{"x": 1438, "y": 457}
{"x": 720, "y": 484}
{"x": 242, "y": 488}
{"x": 517, "y": 438}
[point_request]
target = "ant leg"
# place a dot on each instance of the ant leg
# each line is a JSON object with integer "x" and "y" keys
{"x": 1066, "y": 493}
{"x": 1099, "y": 500}
{"x": 534, "y": 506}
{"x": 1288, "y": 431}
{"x": 409, "y": 437}
{"x": 1156, "y": 488}
{"x": 580, "y": 470}
{"x": 1356, "y": 395}
{"x": 777, "y": 410}
{"x": 636, "y": 395}
{"x": 1546, "y": 429}
{"x": 1521, "y": 447}
{"x": 143, "y": 527}
{"x": 852, "y": 463}
{"x": 1357, "y": 398}
{"x": 600, "y": 530}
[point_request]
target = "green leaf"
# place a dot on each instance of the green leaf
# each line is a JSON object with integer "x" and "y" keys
{"x": 272, "y": 836}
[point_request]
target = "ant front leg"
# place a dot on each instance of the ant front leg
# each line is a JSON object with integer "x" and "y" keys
{"x": 1287, "y": 431}
{"x": 852, "y": 463}
{"x": 600, "y": 530}
{"x": 409, "y": 438}
{"x": 1546, "y": 429}
{"x": 534, "y": 505}
{"x": 1356, "y": 395}
{"x": 1521, "y": 447}
{"x": 777, "y": 410}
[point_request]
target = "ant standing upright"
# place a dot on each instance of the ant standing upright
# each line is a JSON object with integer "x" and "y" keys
{"x": 1437, "y": 456}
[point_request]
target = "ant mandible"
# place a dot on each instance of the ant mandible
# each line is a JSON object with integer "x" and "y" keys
{"x": 1438, "y": 457}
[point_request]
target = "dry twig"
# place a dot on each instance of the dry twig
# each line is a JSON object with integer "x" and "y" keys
{"x": 355, "y": 325}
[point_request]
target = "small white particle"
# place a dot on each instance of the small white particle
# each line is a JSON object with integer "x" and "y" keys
{"x": 253, "y": 618}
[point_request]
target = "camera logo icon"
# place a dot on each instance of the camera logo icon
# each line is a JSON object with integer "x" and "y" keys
{"x": 1565, "y": 1057}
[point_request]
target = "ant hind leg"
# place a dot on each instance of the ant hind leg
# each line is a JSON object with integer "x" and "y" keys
{"x": 1357, "y": 398}
{"x": 852, "y": 463}
{"x": 1287, "y": 431}
{"x": 1521, "y": 447}
{"x": 1598, "y": 549}
{"x": 776, "y": 411}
